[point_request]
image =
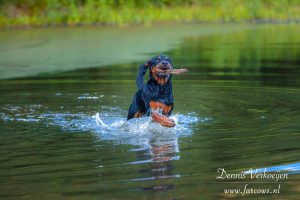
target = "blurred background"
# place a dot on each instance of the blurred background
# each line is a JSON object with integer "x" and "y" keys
{"x": 31, "y": 13}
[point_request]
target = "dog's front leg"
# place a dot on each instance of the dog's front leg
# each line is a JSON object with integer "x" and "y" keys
{"x": 162, "y": 119}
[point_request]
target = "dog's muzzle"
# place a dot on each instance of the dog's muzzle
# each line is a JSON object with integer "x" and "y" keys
{"x": 163, "y": 69}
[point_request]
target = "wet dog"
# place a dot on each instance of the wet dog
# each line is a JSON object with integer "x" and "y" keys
{"x": 155, "y": 98}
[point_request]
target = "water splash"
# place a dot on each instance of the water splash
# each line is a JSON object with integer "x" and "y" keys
{"x": 110, "y": 124}
{"x": 113, "y": 126}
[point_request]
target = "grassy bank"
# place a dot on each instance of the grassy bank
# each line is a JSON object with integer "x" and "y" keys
{"x": 30, "y": 13}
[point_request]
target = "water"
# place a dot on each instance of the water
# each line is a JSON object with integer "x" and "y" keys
{"x": 64, "y": 134}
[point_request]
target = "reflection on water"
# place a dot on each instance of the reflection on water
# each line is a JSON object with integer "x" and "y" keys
{"x": 161, "y": 153}
{"x": 34, "y": 51}
{"x": 293, "y": 168}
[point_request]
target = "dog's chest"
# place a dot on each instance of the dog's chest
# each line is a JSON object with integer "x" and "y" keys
{"x": 160, "y": 93}
{"x": 165, "y": 95}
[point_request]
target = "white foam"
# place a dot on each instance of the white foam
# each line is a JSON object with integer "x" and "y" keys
{"x": 99, "y": 122}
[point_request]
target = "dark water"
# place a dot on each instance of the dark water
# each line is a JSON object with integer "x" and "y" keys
{"x": 63, "y": 135}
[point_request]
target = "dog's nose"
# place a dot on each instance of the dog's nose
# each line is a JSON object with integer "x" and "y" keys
{"x": 164, "y": 63}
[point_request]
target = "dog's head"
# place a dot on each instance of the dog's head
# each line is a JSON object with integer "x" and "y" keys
{"x": 159, "y": 67}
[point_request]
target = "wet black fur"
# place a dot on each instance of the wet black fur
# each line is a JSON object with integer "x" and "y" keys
{"x": 151, "y": 91}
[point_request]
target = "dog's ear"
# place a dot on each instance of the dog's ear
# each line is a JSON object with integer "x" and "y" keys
{"x": 142, "y": 71}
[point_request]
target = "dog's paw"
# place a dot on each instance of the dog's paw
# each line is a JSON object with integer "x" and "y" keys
{"x": 163, "y": 120}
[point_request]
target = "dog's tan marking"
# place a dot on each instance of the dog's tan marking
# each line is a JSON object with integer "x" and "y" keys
{"x": 158, "y": 105}
{"x": 138, "y": 114}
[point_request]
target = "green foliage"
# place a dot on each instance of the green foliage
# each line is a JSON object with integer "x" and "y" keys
{"x": 121, "y": 12}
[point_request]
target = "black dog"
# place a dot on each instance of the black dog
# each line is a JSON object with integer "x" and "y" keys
{"x": 156, "y": 95}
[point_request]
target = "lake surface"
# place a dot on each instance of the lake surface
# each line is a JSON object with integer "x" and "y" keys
{"x": 65, "y": 94}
